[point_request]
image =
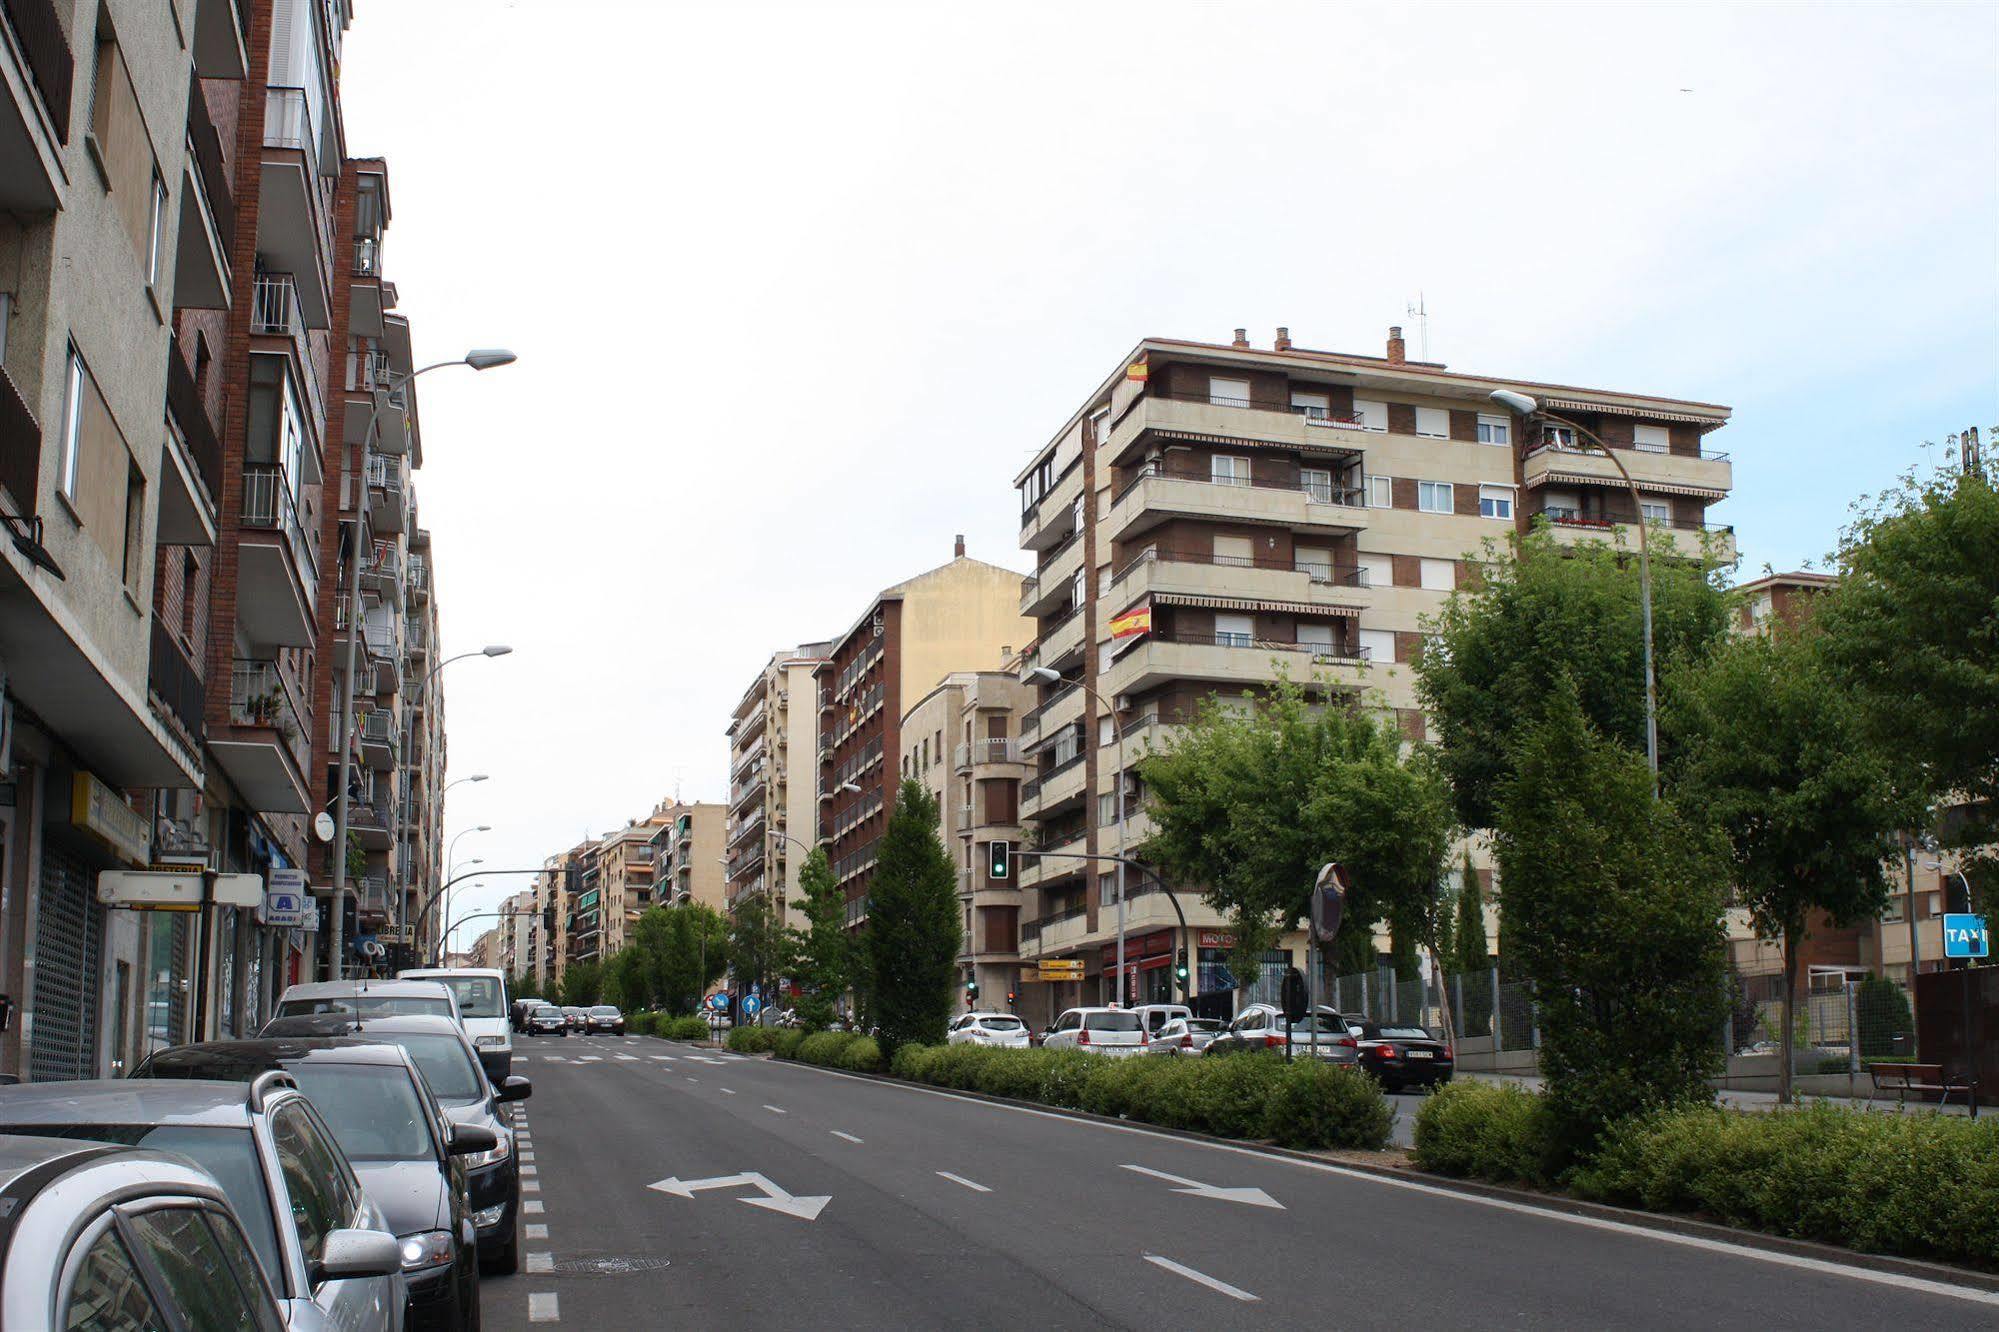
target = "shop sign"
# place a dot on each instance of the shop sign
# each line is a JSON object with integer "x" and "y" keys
{"x": 1062, "y": 969}
{"x": 1217, "y": 939}
{"x": 103, "y": 813}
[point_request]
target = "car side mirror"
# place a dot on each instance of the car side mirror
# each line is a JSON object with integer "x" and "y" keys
{"x": 515, "y": 1088}
{"x": 357, "y": 1253}
{"x": 471, "y": 1139}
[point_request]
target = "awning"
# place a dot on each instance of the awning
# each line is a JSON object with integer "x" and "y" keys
{"x": 1615, "y": 409}
{"x": 1239, "y": 442}
{"x": 1617, "y": 483}
{"x": 1250, "y": 604}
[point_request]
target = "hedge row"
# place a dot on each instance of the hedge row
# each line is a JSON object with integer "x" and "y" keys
{"x": 663, "y": 1024}
{"x": 752, "y": 1040}
{"x": 1921, "y": 1185}
{"x": 1306, "y": 1105}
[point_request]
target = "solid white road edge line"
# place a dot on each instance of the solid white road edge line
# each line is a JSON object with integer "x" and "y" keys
{"x": 543, "y": 1307}
{"x": 1894, "y": 1279}
{"x": 960, "y": 1179}
{"x": 1201, "y": 1278}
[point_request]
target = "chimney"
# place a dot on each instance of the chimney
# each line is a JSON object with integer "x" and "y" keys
{"x": 1241, "y": 342}
{"x": 1397, "y": 354}
{"x": 1283, "y": 342}
{"x": 958, "y": 547}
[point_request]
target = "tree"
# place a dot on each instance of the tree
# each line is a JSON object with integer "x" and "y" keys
{"x": 1776, "y": 754}
{"x": 1504, "y": 646}
{"x": 761, "y": 947}
{"x": 582, "y": 983}
{"x": 1613, "y": 915}
{"x": 822, "y": 967}
{"x": 628, "y": 980}
{"x": 1471, "y": 955}
{"x": 1250, "y": 804}
{"x": 914, "y": 930}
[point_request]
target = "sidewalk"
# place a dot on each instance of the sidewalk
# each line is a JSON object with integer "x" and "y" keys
{"x": 1745, "y": 1100}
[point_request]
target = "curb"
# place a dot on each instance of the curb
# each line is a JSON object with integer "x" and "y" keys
{"x": 1664, "y": 1222}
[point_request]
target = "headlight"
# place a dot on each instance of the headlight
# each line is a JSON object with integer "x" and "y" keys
{"x": 426, "y": 1248}
{"x": 501, "y": 1151}
{"x": 489, "y": 1217}
{"x": 490, "y": 1041}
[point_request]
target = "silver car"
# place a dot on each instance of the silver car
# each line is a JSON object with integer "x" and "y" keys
{"x": 1105, "y": 1031}
{"x": 1184, "y": 1036}
{"x": 329, "y": 1256}
{"x": 1262, "y": 1027}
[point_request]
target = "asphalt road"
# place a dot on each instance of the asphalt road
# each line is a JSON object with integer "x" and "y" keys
{"x": 799, "y": 1199}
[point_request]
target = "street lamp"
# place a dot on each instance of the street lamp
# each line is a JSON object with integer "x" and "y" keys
{"x": 1046, "y": 675}
{"x": 1527, "y": 409}
{"x": 475, "y": 777}
{"x": 421, "y": 699}
{"x": 479, "y": 358}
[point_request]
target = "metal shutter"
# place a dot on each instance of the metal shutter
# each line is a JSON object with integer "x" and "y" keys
{"x": 69, "y": 932}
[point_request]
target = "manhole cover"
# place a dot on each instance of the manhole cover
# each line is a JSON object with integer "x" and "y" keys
{"x": 611, "y": 1266}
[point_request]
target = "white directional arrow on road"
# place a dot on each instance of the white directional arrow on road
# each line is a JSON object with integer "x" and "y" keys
{"x": 1254, "y": 1197}
{"x": 775, "y": 1198}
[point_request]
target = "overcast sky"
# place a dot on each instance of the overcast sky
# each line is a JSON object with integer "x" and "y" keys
{"x": 796, "y": 288}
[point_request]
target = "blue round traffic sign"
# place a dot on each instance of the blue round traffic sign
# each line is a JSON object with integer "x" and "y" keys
{"x": 751, "y": 1004}
{"x": 718, "y": 1002}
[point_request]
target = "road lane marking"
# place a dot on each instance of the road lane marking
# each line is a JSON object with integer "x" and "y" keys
{"x": 529, "y": 1172}
{"x": 775, "y": 1198}
{"x": 536, "y": 1230}
{"x": 540, "y": 1262}
{"x": 664, "y": 1059}
{"x": 544, "y": 1308}
{"x": 848, "y": 1136}
{"x": 527, "y": 1156}
{"x": 530, "y": 1186}
{"x": 777, "y": 1109}
{"x": 1254, "y": 1197}
{"x": 1201, "y": 1278}
{"x": 728, "y": 1091}
{"x": 590, "y": 1059}
{"x": 692, "y": 1078}
{"x": 973, "y": 1185}
{"x": 532, "y": 1207}
{"x": 623, "y": 1057}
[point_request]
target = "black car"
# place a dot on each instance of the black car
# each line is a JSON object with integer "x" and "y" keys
{"x": 410, "y": 1158}
{"x": 1401, "y": 1054}
{"x": 546, "y": 1020}
{"x": 604, "y": 1017}
{"x": 450, "y": 1065}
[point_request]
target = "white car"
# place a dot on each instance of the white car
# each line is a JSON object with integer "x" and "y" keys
{"x": 482, "y": 1011}
{"x": 1152, "y": 1017}
{"x": 996, "y": 1029}
{"x": 1105, "y": 1031}
{"x": 367, "y": 998}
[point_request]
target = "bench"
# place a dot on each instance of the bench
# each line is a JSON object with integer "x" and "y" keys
{"x": 1922, "y": 1079}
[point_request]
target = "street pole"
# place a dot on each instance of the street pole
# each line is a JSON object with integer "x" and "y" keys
{"x": 1915, "y": 937}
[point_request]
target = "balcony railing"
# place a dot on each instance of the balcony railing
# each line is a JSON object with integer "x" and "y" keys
{"x": 261, "y": 695}
{"x": 288, "y": 124}
{"x": 1569, "y": 517}
{"x": 1317, "y": 492}
{"x": 268, "y": 503}
{"x": 1319, "y": 651}
{"x": 1000, "y": 749}
{"x": 174, "y": 678}
{"x": 197, "y": 431}
{"x": 1032, "y": 721}
{"x": 206, "y": 143}
{"x": 20, "y": 449}
{"x": 367, "y": 256}
{"x": 274, "y": 306}
{"x": 378, "y": 727}
{"x": 1319, "y": 571}
{"x": 50, "y": 63}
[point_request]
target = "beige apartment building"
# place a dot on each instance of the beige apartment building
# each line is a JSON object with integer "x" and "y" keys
{"x": 687, "y": 854}
{"x": 773, "y": 809}
{"x": 975, "y": 776}
{"x": 1256, "y": 510}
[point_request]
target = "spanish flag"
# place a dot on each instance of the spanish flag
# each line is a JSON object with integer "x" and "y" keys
{"x": 1137, "y": 371}
{"x": 1135, "y": 621}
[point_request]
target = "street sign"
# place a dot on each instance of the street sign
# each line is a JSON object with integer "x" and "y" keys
{"x": 176, "y": 890}
{"x": 718, "y": 1002}
{"x": 1329, "y": 895}
{"x": 285, "y": 901}
{"x": 1062, "y": 969}
{"x": 751, "y": 1004}
{"x": 1966, "y": 935}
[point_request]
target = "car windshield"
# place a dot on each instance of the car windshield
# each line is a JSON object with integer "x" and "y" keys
{"x": 1405, "y": 1033}
{"x": 1326, "y": 1024}
{"x": 373, "y": 1110}
{"x": 453, "y": 1074}
{"x": 603, "y": 1010}
{"x": 1111, "y": 1021}
{"x": 229, "y": 1154}
{"x": 1000, "y": 1024}
{"x": 369, "y": 1005}
{"x": 478, "y": 996}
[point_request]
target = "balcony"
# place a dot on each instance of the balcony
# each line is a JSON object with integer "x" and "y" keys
{"x": 382, "y": 575}
{"x": 20, "y": 450}
{"x": 1160, "y": 493}
{"x": 1061, "y": 931}
{"x": 371, "y": 893}
{"x": 1062, "y": 709}
{"x": 265, "y": 754}
{"x": 191, "y": 470}
{"x": 1058, "y": 788}
{"x": 419, "y": 580}
{"x": 291, "y": 220}
{"x": 34, "y": 112}
{"x": 174, "y": 680}
{"x": 207, "y": 222}
{"x": 372, "y": 821}
{"x": 750, "y": 825}
{"x": 1687, "y": 538}
{"x": 1307, "y": 430}
{"x": 221, "y": 32}
{"x": 1308, "y": 587}
{"x": 388, "y": 506}
{"x": 1051, "y": 520}
{"x": 277, "y": 581}
{"x": 381, "y": 738}
{"x": 1229, "y": 659}
{"x": 1000, "y": 750}
{"x": 1710, "y": 474}
{"x": 1061, "y": 645}
{"x": 1045, "y": 589}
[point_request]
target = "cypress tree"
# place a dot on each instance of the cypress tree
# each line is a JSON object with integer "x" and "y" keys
{"x": 914, "y": 932}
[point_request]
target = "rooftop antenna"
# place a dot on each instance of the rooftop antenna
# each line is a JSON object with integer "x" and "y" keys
{"x": 1422, "y": 317}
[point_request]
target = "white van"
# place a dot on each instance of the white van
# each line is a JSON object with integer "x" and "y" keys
{"x": 482, "y": 1011}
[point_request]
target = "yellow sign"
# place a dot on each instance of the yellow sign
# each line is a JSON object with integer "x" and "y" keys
{"x": 103, "y": 813}
{"x": 1062, "y": 970}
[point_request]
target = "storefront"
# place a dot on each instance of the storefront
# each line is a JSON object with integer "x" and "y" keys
{"x": 1148, "y": 969}
{"x": 83, "y": 1006}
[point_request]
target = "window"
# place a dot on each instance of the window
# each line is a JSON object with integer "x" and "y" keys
{"x": 193, "y": 1266}
{"x": 107, "y": 1294}
{"x": 1440, "y": 575}
{"x": 135, "y": 532}
{"x": 1227, "y": 470}
{"x": 1234, "y": 551}
{"x": 1494, "y": 430}
{"x": 1373, "y": 415}
{"x": 1655, "y": 512}
{"x": 156, "y": 233}
{"x": 1376, "y": 571}
{"x": 1317, "y": 483}
{"x": 1315, "y": 561}
{"x": 1316, "y": 634}
{"x": 1434, "y": 496}
{"x": 1377, "y": 645}
{"x": 1561, "y": 437}
{"x": 1495, "y": 501}
{"x": 1652, "y": 439}
{"x": 1381, "y": 492}
{"x": 1106, "y": 731}
{"x": 70, "y": 463}
{"x": 1228, "y": 392}
{"x": 1106, "y": 808}
{"x": 1235, "y": 630}
{"x": 1434, "y": 422}
{"x": 1311, "y": 406}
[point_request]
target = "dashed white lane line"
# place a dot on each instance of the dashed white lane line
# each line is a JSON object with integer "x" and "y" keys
{"x": 530, "y": 1186}
{"x": 536, "y": 1230}
{"x": 848, "y": 1136}
{"x": 532, "y": 1207}
{"x": 777, "y": 1109}
{"x": 973, "y": 1185}
{"x": 540, "y": 1262}
{"x": 529, "y": 1172}
{"x": 623, "y": 1057}
{"x": 1201, "y": 1278}
{"x": 544, "y": 1308}
{"x": 527, "y": 1156}
{"x": 590, "y": 1059}
{"x": 692, "y": 1078}
{"x": 664, "y": 1059}
{"x": 728, "y": 1091}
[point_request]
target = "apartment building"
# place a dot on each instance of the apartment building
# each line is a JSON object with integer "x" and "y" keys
{"x": 965, "y": 615}
{"x": 687, "y": 841}
{"x": 975, "y": 777}
{"x": 555, "y": 890}
{"x": 773, "y": 811}
{"x": 1213, "y": 514}
{"x": 486, "y": 951}
{"x": 626, "y": 860}
{"x": 517, "y": 927}
{"x": 424, "y": 754}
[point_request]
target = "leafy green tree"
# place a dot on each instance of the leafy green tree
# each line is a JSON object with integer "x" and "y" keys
{"x": 1887, "y": 1025}
{"x": 686, "y": 948}
{"x": 824, "y": 964}
{"x": 1471, "y": 954}
{"x": 1612, "y": 913}
{"x": 1777, "y": 754}
{"x": 914, "y": 931}
{"x": 628, "y": 983}
{"x": 1504, "y": 646}
{"x": 761, "y": 948}
{"x": 582, "y": 983}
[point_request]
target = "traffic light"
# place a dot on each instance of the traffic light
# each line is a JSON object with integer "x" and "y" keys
{"x": 1012, "y": 1000}
{"x": 1180, "y": 968}
{"x": 972, "y": 991}
{"x": 999, "y": 860}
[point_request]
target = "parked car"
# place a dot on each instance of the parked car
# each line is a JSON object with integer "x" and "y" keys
{"x": 1151, "y": 1017}
{"x": 604, "y": 1017}
{"x": 575, "y": 1018}
{"x": 995, "y": 1029}
{"x": 406, "y": 1153}
{"x": 1262, "y": 1027}
{"x": 102, "y": 1237}
{"x": 366, "y": 998}
{"x": 1185, "y": 1036}
{"x": 271, "y": 1151}
{"x": 547, "y": 1020}
{"x": 458, "y": 1081}
{"x": 1401, "y": 1054}
{"x": 1106, "y": 1031}
{"x": 482, "y": 1011}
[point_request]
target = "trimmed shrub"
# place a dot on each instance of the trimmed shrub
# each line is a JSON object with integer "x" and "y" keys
{"x": 824, "y": 1047}
{"x": 1317, "y": 1105}
{"x": 785, "y": 1044}
{"x": 1232, "y": 1099}
{"x": 685, "y": 1029}
{"x": 752, "y": 1040}
{"x": 1501, "y": 1133}
{"x": 861, "y": 1055}
{"x": 913, "y": 1061}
